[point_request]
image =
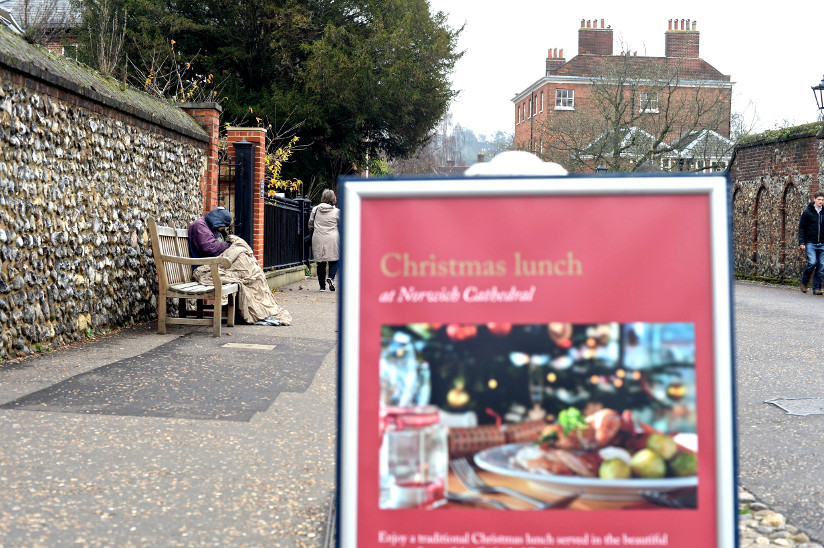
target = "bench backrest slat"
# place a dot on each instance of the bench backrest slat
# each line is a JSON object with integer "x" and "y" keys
{"x": 170, "y": 241}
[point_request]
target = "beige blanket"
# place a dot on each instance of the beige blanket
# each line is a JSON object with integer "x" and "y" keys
{"x": 255, "y": 300}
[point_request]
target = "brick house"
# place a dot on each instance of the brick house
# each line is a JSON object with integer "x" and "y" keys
{"x": 671, "y": 99}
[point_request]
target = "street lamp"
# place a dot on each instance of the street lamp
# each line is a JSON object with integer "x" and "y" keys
{"x": 818, "y": 92}
{"x": 601, "y": 169}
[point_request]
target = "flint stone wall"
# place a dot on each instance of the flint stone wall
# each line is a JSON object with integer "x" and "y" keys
{"x": 83, "y": 163}
{"x": 774, "y": 176}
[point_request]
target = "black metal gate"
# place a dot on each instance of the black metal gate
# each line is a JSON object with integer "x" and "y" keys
{"x": 285, "y": 222}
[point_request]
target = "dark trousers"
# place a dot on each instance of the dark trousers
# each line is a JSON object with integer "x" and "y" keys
{"x": 333, "y": 271}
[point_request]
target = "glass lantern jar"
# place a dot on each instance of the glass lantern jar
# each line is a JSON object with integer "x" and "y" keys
{"x": 413, "y": 457}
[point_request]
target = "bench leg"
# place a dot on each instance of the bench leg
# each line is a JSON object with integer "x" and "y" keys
{"x": 230, "y": 310}
{"x": 216, "y": 319}
{"x": 161, "y": 314}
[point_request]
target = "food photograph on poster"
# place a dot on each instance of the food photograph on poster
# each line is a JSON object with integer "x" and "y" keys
{"x": 578, "y": 416}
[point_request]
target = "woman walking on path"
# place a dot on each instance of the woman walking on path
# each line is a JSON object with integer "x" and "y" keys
{"x": 325, "y": 238}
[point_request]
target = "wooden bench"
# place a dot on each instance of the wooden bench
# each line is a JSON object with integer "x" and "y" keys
{"x": 170, "y": 247}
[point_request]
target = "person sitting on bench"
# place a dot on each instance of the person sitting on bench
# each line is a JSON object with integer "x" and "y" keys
{"x": 209, "y": 236}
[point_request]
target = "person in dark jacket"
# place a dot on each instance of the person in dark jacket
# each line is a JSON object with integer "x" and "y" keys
{"x": 207, "y": 235}
{"x": 811, "y": 241}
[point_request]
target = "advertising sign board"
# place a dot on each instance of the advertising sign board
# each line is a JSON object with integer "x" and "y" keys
{"x": 567, "y": 340}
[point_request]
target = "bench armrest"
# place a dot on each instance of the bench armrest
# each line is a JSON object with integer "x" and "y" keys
{"x": 220, "y": 261}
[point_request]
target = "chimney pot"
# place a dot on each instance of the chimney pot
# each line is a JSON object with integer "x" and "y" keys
{"x": 561, "y": 53}
{"x": 549, "y": 53}
{"x": 670, "y": 24}
{"x": 688, "y": 24}
{"x": 602, "y": 23}
{"x": 589, "y": 24}
{"x": 682, "y": 24}
{"x": 582, "y": 23}
{"x": 695, "y": 25}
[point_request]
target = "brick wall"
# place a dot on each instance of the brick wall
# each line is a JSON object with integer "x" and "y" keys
{"x": 536, "y": 126}
{"x": 84, "y": 161}
{"x": 773, "y": 178}
{"x": 207, "y": 115}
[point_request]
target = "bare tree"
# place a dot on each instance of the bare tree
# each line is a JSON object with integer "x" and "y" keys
{"x": 451, "y": 145}
{"x": 634, "y": 110}
{"x": 105, "y": 27}
{"x": 44, "y": 21}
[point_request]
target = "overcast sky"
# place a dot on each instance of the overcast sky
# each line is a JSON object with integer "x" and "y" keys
{"x": 774, "y": 56}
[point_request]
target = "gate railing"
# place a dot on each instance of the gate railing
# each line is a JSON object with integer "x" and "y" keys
{"x": 285, "y": 224}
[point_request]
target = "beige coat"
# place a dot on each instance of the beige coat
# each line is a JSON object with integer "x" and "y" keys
{"x": 326, "y": 239}
{"x": 255, "y": 300}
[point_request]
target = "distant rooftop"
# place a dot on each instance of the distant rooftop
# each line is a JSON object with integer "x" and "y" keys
{"x": 47, "y": 14}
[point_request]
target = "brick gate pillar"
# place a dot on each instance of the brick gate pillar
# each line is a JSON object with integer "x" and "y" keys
{"x": 208, "y": 116}
{"x": 258, "y": 137}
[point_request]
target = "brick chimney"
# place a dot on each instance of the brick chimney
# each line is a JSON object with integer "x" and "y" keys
{"x": 594, "y": 40}
{"x": 554, "y": 59}
{"x": 681, "y": 39}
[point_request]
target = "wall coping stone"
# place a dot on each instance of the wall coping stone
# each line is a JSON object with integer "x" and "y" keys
{"x": 814, "y": 129}
{"x": 71, "y": 76}
{"x": 203, "y": 105}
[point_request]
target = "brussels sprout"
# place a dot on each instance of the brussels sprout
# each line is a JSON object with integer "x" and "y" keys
{"x": 614, "y": 469}
{"x": 684, "y": 463}
{"x": 662, "y": 444}
{"x": 646, "y": 463}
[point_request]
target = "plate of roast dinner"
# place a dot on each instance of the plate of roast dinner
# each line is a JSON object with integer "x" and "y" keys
{"x": 602, "y": 456}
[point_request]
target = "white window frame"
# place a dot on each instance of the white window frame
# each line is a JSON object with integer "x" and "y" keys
{"x": 649, "y": 102}
{"x": 564, "y": 99}
{"x": 69, "y": 50}
{"x": 519, "y": 114}
{"x": 542, "y": 101}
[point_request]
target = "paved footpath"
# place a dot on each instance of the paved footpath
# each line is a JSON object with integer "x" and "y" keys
{"x": 780, "y": 456}
{"x": 136, "y": 439}
{"x": 139, "y": 439}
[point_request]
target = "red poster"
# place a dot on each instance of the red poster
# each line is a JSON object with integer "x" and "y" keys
{"x": 536, "y": 362}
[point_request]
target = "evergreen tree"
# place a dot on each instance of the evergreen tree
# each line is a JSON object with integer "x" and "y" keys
{"x": 347, "y": 77}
